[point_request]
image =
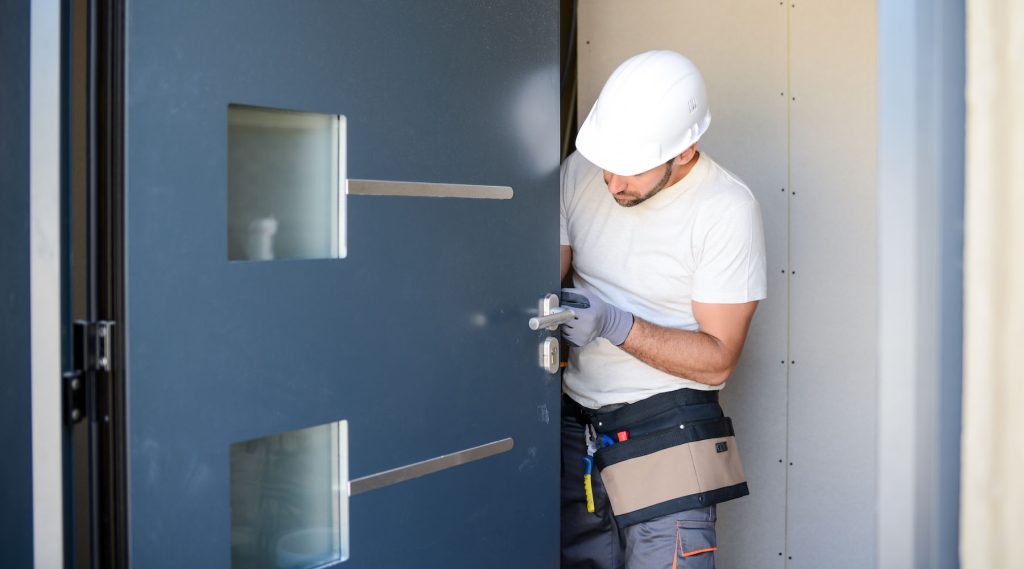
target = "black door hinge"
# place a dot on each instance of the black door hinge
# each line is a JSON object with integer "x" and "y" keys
{"x": 91, "y": 353}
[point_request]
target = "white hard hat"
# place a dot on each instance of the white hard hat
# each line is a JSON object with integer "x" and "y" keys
{"x": 653, "y": 107}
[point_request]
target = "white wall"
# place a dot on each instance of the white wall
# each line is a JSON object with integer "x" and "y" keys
{"x": 793, "y": 99}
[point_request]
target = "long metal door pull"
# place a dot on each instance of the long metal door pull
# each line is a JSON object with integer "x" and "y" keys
{"x": 427, "y": 190}
{"x": 444, "y": 462}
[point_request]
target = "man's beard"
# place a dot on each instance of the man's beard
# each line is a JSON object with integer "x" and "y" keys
{"x": 633, "y": 201}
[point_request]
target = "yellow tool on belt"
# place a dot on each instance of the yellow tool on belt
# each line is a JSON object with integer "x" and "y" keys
{"x": 588, "y": 466}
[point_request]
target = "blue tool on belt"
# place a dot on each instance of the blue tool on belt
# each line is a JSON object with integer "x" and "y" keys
{"x": 588, "y": 466}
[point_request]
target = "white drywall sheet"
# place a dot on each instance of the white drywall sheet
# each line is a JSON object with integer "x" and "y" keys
{"x": 833, "y": 311}
{"x": 792, "y": 91}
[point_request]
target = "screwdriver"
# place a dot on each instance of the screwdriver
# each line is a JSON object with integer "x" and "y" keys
{"x": 588, "y": 488}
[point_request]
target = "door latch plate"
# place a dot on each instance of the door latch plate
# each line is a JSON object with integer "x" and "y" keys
{"x": 549, "y": 355}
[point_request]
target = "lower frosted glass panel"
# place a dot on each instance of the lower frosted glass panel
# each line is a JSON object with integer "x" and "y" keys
{"x": 289, "y": 499}
{"x": 285, "y": 173}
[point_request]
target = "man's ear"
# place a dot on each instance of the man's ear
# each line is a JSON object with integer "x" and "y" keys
{"x": 686, "y": 155}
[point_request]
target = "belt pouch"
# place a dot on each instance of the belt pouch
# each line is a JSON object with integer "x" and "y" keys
{"x": 689, "y": 466}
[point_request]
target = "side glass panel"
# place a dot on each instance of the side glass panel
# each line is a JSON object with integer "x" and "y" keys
{"x": 289, "y": 499}
{"x": 285, "y": 193}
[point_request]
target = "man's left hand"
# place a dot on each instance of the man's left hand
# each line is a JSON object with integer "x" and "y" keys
{"x": 594, "y": 318}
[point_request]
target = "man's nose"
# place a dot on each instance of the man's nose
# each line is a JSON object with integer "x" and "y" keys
{"x": 616, "y": 185}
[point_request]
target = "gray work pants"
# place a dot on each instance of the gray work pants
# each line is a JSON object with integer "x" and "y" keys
{"x": 684, "y": 540}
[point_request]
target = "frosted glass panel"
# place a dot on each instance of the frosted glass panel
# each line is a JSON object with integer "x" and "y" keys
{"x": 284, "y": 184}
{"x": 289, "y": 499}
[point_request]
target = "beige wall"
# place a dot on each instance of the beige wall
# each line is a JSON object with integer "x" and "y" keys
{"x": 992, "y": 523}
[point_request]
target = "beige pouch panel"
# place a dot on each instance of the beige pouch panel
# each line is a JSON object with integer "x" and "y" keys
{"x": 717, "y": 469}
{"x": 671, "y": 473}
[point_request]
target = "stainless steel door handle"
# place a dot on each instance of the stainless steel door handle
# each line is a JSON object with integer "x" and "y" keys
{"x": 553, "y": 320}
{"x": 549, "y": 316}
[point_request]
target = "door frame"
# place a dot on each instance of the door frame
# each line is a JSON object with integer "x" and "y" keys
{"x": 106, "y": 283}
{"x": 94, "y": 454}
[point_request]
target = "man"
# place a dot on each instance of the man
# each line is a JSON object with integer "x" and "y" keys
{"x": 667, "y": 252}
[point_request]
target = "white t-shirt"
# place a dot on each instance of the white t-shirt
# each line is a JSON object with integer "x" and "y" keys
{"x": 701, "y": 239}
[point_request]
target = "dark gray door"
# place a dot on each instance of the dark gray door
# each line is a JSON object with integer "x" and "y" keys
{"x": 16, "y": 477}
{"x": 417, "y": 338}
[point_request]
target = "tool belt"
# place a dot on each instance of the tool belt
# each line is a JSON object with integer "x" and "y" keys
{"x": 676, "y": 451}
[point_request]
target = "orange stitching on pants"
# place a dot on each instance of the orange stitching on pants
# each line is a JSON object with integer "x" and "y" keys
{"x": 681, "y": 551}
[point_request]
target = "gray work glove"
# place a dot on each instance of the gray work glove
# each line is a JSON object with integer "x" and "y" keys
{"x": 594, "y": 318}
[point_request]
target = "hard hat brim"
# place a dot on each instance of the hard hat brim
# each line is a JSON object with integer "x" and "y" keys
{"x": 629, "y": 158}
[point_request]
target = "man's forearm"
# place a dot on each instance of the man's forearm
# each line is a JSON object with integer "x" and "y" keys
{"x": 693, "y": 355}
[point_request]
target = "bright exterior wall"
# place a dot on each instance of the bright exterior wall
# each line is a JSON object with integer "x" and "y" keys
{"x": 993, "y": 444}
